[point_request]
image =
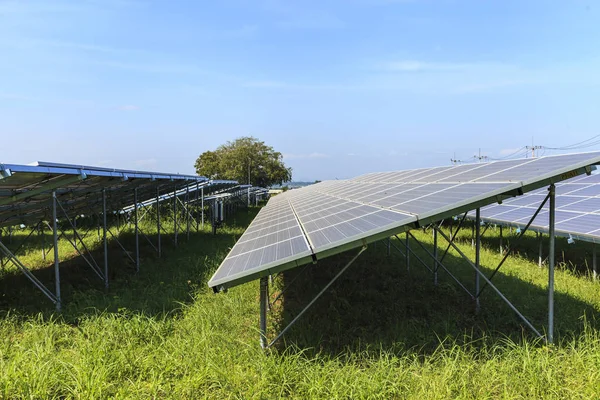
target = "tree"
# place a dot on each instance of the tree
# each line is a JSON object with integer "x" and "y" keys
{"x": 245, "y": 159}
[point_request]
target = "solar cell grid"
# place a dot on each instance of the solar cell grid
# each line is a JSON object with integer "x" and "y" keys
{"x": 337, "y": 215}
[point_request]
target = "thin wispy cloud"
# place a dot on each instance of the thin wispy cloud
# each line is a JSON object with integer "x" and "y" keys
{"x": 291, "y": 156}
{"x": 129, "y": 107}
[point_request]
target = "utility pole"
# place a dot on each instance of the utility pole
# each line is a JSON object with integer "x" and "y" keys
{"x": 454, "y": 161}
{"x": 480, "y": 157}
{"x": 533, "y": 149}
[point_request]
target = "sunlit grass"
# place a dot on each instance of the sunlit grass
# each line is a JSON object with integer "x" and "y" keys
{"x": 380, "y": 332}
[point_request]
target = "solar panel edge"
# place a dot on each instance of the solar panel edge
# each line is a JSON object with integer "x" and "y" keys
{"x": 535, "y": 228}
{"x": 271, "y": 268}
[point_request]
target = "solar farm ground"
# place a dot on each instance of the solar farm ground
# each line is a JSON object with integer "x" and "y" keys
{"x": 379, "y": 332}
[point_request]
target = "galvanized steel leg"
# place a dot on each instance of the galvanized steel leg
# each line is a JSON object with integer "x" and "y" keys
{"x": 43, "y": 242}
{"x": 159, "y": 249}
{"x": 477, "y": 256}
{"x": 594, "y": 264}
{"x": 175, "y": 216}
{"x": 551, "y": 259}
{"x": 137, "y": 231}
{"x": 407, "y": 245}
{"x": 435, "y": 257}
{"x": 264, "y": 300}
{"x": 541, "y": 241}
{"x": 196, "y": 207}
{"x": 202, "y": 206}
{"x": 56, "y": 260}
{"x": 104, "y": 238}
{"x": 187, "y": 211}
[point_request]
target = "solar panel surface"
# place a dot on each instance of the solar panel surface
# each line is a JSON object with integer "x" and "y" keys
{"x": 577, "y": 209}
{"x": 26, "y": 190}
{"x": 304, "y": 225}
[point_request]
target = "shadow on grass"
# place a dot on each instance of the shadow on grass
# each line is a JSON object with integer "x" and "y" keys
{"x": 378, "y": 304}
{"x": 160, "y": 287}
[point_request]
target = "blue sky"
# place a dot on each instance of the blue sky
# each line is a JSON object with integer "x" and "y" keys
{"x": 339, "y": 87}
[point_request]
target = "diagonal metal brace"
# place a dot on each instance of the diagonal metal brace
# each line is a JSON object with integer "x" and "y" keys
{"x": 317, "y": 296}
{"x": 511, "y": 246}
{"x": 439, "y": 263}
{"x": 498, "y": 292}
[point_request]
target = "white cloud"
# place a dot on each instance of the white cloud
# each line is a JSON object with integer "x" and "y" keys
{"x": 291, "y": 156}
{"x": 129, "y": 107}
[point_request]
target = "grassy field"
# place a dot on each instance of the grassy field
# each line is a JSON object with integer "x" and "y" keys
{"x": 381, "y": 331}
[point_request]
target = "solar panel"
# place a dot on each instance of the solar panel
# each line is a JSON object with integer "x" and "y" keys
{"x": 26, "y": 190}
{"x": 307, "y": 224}
{"x": 577, "y": 209}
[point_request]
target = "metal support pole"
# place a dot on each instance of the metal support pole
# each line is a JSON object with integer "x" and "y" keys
{"x": 540, "y": 240}
{"x": 594, "y": 264}
{"x": 501, "y": 249}
{"x": 407, "y": 253}
{"x": 187, "y": 211}
{"x": 202, "y": 206}
{"x": 104, "y": 238}
{"x": 159, "y": 249}
{"x": 551, "y": 258}
{"x": 477, "y": 256}
{"x": 43, "y": 241}
{"x": 175, "y": 216}
{"x": 435, "y": 257}
{"x": 137, "y": 232}
{"x": 56, "y": 260}
{"x": 264, "y": 301}
{"x": 196, "y": 206}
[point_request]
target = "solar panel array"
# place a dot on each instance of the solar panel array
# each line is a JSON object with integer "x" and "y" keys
{"x": 577, "y": 209}
{"x": 306, "y": 224}
{"x": 26, "y": 190}
{"x": 208, "y": 188}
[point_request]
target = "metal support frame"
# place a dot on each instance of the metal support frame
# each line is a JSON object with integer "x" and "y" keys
{"x": 501, "y": 247}
{"x": 490, "y": 284}
{"x": 594, "y": 263}
{"x": 477, "y": 257}
{"x": 264, "y": 283}
{"x": 56, "y": 259}
{"x": 202, "y": 205}
{"x": 435, "y": 257}
{"x": 137, "y": 231}
{"x": 407, "y": 246}
{"x": 540, "y": 254}
{"x": 105, "y": 240}
{"x": 551, "y": 260}
{"x": 158, "y": 236}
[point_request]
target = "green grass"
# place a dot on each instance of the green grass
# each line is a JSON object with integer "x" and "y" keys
{"x": 379, "y": 332}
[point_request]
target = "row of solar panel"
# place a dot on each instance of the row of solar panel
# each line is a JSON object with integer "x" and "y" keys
{"x": 331, "y": 215}
{"x": 577, "y": 209}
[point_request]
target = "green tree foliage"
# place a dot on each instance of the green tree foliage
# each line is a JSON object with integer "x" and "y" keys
{"x": 234, "y": 160}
